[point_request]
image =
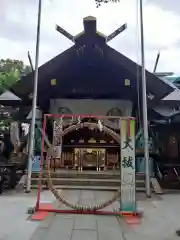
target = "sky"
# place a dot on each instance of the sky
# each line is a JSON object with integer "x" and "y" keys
{"x": 161, "y": 28}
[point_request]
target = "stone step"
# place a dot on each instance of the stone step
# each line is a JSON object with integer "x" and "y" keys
{"x": 95, "y": 188}
{"x": 87, "y": 182}
{"x": 88, "y": 174}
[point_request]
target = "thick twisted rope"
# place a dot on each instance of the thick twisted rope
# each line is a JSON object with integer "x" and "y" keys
{"x": 56, "y": 193}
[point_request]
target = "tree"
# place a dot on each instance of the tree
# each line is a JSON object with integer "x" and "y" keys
{"x": 11, "y": 72}
{"x": 99, "y": 2}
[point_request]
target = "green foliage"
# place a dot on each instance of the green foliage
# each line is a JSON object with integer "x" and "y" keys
{"x": 11, "y": 72}
{"x": 99, "y": 2}
{"x": 4, "y": 125}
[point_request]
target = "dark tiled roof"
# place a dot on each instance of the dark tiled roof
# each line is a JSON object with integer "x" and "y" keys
{"x": 91, "y": 53}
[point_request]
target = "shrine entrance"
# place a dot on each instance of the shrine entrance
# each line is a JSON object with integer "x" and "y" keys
{"x": 88, "y": 157}
{"x": 86, "y": 148}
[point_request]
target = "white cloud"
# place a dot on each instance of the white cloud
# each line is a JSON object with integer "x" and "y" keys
{"x": 167, "y": 5}
{"x": 161, "y": 29}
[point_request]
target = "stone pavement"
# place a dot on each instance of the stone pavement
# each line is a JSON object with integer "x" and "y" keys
{"x": 13, "y": 218}
{"x": 76, "y": 227}
{"x": 160, "y": 221}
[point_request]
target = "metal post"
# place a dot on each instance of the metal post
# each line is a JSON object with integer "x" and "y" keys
{"x": 144, "y": 103}
{"x": 41, "y": 164}
{"x": 32, "y": 127}
{"x": 30, "y": 61}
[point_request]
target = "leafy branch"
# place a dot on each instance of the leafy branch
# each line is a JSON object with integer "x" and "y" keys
{"x": 99, "y": 2}
{"x": 11, "y": 72}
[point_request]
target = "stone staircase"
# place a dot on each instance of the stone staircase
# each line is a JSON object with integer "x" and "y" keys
{"x": 104, "y": 180}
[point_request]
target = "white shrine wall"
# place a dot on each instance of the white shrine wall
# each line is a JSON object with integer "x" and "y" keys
{"x": 92, "y": 107}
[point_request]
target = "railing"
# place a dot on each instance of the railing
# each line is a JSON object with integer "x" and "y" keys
{"x": 170, "y": 175}
{"x": 1, "y": 183}
{"x": 176, "y": 173}
{"x": 8, "y": 175}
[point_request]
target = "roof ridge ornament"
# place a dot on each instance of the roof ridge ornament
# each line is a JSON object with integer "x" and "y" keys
{"x": 89, "y": 18}
{"x": 116, "y": 32}
{"x": 65, "y": 33}
{"x": 90, "y": 26}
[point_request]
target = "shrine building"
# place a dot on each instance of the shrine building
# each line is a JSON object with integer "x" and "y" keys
{"x": 91, "y": 78}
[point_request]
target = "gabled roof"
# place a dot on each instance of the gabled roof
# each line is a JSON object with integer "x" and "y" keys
{"x": 9, "y": 96}
{"x": 173, "y": 79}
{"x": 90, "y": 51}
{"x": 173, "y": 96}
{"x": 166, "y": 111}
{"x": 155, "y": 86}
{"x": 25, "y": 86}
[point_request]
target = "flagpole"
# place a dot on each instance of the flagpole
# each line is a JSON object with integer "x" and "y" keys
{"x": 144, "y": 104}
{"x": 34, "y": 102}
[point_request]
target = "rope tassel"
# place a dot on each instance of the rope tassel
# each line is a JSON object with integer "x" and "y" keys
{"x": 100, "y": 125}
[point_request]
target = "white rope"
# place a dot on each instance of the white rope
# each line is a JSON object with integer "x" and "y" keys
{"x": 79, "y": 121}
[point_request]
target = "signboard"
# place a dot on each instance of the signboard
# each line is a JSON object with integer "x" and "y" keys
{"x": 36, "y": 164}
{"x": 128, "y": 176}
